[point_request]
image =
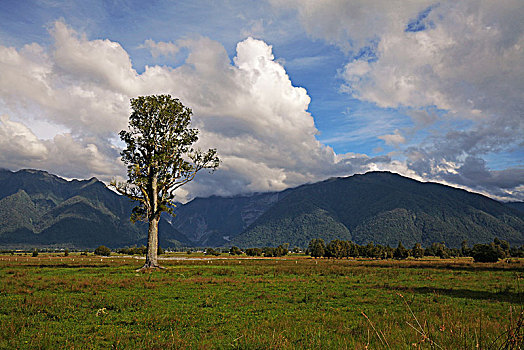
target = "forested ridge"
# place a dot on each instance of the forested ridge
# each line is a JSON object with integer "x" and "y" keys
{"x": 38, "y": 208}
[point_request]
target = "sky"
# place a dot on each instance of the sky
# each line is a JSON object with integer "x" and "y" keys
{"x": 288, "y": 91}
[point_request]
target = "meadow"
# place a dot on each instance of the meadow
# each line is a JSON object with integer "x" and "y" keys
{"x": 296, "y": 302}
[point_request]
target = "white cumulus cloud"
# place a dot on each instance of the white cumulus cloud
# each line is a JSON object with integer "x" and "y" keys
{"x": 247, "y": 108}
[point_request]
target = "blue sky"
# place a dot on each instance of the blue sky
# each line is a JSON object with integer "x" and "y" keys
{"x": 331, "y": 88}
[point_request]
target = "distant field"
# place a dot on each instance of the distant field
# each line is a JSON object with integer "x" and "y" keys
{"x": 292, "y": 303}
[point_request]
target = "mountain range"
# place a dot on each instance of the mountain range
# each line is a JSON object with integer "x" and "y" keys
{"x": 41, "y": 209}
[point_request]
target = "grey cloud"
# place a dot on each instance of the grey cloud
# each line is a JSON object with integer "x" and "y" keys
{"x": 352, "y": 24}
{"x": 474, "y": 174}
{"x": 63, "y": 154}
{"x": 460, "y": 79}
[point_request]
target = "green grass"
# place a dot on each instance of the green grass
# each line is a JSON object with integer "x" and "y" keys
{"x": 294, "y": 303}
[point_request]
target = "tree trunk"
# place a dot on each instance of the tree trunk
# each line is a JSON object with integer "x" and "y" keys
{"x": 152, "y": 245}
{"x": 152, "y": 234}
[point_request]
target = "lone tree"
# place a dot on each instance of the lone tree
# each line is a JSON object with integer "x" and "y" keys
{"x": 159, "y": 158}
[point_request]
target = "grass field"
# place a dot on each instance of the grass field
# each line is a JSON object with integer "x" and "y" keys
{"x": 90, "y": 302}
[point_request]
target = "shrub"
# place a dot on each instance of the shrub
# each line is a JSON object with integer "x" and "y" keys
{"x": 281, "y": 250}
{"x": 317, "y": 248}
{"x": 464, "y": 249}
{"x": 66, "y": 252}
{"x": 35, "y": 252}
{"x": 254, "y": 252}
{"x": 211, "y": 251}
{"x": 487, "y": 253}
{"x": 235, "y": 251}
{"x": 134, "y": 250}
{"x": 417, "y": 251}
{"x": 400, "y": 252}
{"x": 103, "y": 251}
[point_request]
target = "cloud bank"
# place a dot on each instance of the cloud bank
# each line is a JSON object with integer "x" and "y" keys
{"x": 455, "y": 68}
{"x": 451, "y": 71}
{"x": 247, "y": 108}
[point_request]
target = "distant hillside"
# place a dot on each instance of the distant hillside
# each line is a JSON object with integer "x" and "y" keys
{"x": 383, "y": 208}
{"x": 213, "y": 221}
{"x": 37, "y": 209}
{"x": 516, "y": 205}
{"x": 40, "y": 209}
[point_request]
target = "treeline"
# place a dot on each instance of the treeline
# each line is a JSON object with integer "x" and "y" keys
{"x": 281, "y": 250}
{"x": 134, "y": 250}
{"x": 338, "y": 249}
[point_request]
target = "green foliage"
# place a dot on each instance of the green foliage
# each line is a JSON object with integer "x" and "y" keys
{"x": 17, "y": 211}
{"x": 102, "y": 251}
{"x": 344, "y": 249}
{"x": 417, "y": 251}
{"x": 487, "y": 252}
{"x": 235, "y": 251}
{"x": 159, "y": 155}
{"x": 292, "y": 222}
{"x": 504, "y": 246}
{"x": 334, "y": 249}
{"x": 400, "y": 252}
{"x": 254, "y": 251}
{"x": 373, "y": 251}
{"x": 317, "y": 248}
{"x": 464, "y": 249}
{"x": 66, "y": 252}
{"x": 134, "y": 250}
{"x": 439, "y": 249}
{"x": 211, "y": 251}
{"x": 34, "y": 254}
{"x": 281, "y": 250}
{"x": 517, "y": 252}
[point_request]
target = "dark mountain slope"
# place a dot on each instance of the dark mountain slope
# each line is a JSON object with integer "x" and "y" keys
{"x": 516, "y": 205}
{"x": 37, "y": 208}
{"x": 17, "y": 211}
{"x": 385, "y": 208}
{"x": 215, "y": 220}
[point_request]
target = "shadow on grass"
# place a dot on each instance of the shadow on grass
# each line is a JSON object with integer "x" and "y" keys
{"x": 503, "y": 296}
{"x": 447, "y": 266}
{"x": 70, "y": 266}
